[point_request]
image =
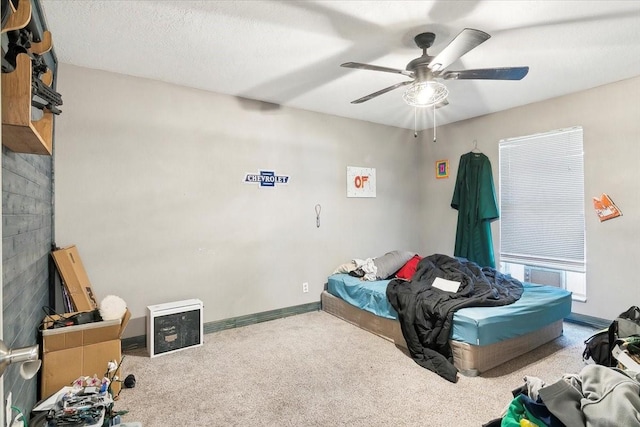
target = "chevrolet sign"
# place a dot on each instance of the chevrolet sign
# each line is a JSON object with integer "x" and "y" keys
{"x": 266, "y": 179}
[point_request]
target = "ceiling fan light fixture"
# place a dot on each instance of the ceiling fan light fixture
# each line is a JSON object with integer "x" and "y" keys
{"x": 425, "y": 94}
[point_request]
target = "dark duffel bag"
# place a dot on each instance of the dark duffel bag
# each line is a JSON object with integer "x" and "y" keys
{"x": 599, "y": 345}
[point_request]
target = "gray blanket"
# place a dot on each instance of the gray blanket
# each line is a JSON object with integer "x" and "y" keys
{"x": 426, "y": 312}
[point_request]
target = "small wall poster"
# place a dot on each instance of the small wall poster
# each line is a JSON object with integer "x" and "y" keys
{"x": 442, "y": 169}
{"x": 361, "y": 182}
{"x": 605, "y": 208}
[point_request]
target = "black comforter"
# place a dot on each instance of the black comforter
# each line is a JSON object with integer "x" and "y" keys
{"x": 426, "y": 313}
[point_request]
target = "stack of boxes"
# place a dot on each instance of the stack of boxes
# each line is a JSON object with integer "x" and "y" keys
{"x": 70, "y": 352}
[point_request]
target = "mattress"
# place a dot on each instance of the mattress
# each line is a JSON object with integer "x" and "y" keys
{"x": 538, "y": 307}
{"x": 471, "y": 360}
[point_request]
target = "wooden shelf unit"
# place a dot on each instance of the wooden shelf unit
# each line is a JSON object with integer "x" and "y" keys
{"x": 19, "y": 17}
{"x": 20, "y": 133}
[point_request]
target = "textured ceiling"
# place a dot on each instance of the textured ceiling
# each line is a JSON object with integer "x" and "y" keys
{"x": 289, "y": 52}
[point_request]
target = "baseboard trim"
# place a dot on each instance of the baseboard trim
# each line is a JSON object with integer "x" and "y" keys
{"x": 140, "y": 341}
{"x": 133, "y": 343}
{"x": 250, "y": 319}
{"x": 583, "y": 319}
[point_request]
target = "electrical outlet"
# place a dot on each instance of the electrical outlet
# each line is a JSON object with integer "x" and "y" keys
{"x": 305, "y": 287}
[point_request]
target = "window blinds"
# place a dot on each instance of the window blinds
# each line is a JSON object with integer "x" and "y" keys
{"x": 542, "y": 200}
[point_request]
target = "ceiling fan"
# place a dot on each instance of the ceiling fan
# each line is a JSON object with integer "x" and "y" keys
{"x": 424, "y": 90}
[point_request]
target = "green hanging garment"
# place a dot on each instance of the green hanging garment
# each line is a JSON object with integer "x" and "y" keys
{"x": 474, "y": 198}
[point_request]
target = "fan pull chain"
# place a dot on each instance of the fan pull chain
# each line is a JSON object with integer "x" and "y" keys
{"x": 434, "y": 123}
{"x": 415, "y": 122}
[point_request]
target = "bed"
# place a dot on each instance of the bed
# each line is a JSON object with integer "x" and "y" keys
{"x": 481, "y": 337}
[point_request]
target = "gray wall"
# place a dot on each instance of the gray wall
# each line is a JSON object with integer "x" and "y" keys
{"x": 149, "y": 186}
{"x": 26, "y": 243}
{"x": 609, "y": 117}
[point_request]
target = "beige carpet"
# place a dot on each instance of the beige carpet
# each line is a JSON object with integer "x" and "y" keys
{"x": 314, "y": 369}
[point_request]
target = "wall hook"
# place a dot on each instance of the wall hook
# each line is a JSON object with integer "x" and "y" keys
{"x": 318, "y": 209}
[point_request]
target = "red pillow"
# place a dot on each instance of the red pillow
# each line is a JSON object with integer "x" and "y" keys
{"x": 407, "y": 271}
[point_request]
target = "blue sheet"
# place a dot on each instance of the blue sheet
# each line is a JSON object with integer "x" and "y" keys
{"x": 367, "y": 295}
{"x": 538, "y": 307}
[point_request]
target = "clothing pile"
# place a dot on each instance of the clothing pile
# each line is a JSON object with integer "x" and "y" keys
{"x": 597, "y": 396}
{"x": 379, "y": 268}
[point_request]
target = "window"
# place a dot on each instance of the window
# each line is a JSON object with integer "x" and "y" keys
{"x": 542, "y": 229}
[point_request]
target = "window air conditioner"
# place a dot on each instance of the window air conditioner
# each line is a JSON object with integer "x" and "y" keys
{"x": 544, "y": 276}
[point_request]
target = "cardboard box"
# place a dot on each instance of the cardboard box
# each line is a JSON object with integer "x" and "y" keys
{"x": 82, "y": 350}
{"x": 74, "y": 278}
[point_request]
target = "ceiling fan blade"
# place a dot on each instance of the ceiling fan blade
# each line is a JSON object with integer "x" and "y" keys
{"x": 463, "y": 43}
{"x": 380, "y": 92}
{"x": 507, "y": 73}
{"x": 361, "y": 66}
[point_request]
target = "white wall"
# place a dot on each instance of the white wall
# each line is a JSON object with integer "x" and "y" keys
{"x": 149, "y": 186}
{"x": 610, "y": 117}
